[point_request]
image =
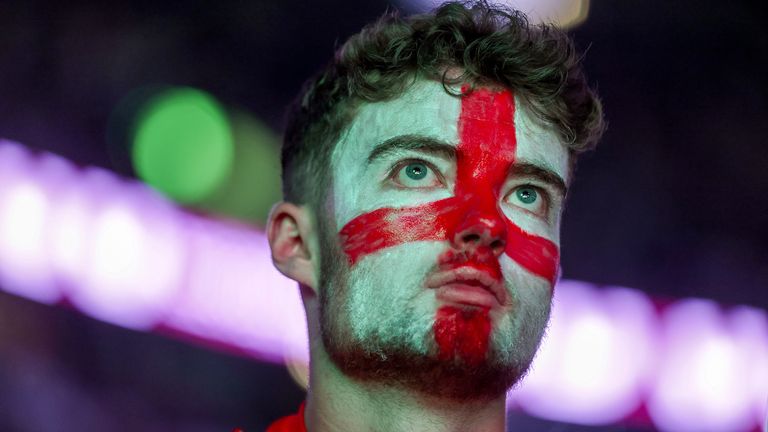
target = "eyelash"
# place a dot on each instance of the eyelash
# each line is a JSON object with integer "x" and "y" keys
{"x": 395, "y": 170}
{"x": 403, "y": 163}
{"x": 542, "y": 192}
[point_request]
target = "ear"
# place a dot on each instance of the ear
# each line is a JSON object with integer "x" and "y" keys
{"x": 291, "y": 236}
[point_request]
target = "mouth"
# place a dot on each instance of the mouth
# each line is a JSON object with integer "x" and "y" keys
{"x": 468, "y": 286}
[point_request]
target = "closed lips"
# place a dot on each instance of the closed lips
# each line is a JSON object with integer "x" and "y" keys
{"x": 471, "y": 277}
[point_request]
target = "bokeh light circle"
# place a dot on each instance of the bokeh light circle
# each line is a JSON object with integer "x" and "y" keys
{"x": 703, "y": 383}
{"x": 595, "y": 357}
{"x": 182, "y": 144}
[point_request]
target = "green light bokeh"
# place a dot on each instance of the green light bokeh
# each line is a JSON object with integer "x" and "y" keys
{"x": 182, "y": 144}
{"x": 253, "y": 184}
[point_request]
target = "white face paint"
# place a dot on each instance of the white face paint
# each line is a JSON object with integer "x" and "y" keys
{"x": 381, "y": 302}
{"x": 426, "y": 109}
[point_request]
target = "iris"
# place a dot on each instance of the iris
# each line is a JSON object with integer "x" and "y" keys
{"x": 416, "y": 170}
{"x": 527, "y": 195}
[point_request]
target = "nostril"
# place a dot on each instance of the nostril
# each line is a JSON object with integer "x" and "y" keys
{"x": 471, "y": 238}
{"x": 497, "y": 246}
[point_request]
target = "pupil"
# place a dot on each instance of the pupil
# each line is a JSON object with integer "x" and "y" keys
{"x": 416, "y": 171}
{"x": 526, "y": 195}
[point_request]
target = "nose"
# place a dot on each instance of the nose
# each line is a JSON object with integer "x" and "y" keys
{"x": 480, "y": 230}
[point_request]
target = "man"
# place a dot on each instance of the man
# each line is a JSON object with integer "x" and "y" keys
{"x": 425, "y": 170}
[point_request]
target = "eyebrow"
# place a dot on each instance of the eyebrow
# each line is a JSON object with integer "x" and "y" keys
{"x": 434, "y": 146}
{"x": 545, "y": 175}
{"x": 420, "y": 143}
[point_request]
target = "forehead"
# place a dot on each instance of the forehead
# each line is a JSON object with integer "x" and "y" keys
{"x": 427, "y": 109}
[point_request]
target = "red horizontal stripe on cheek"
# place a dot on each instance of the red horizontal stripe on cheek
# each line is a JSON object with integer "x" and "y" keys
{"x": 536, "y": 254}
{"x": 387, "y": 227}
{"x": 485, "y": 152}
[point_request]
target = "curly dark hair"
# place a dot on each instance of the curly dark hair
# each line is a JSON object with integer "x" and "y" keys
{"x": 490, "y": 44}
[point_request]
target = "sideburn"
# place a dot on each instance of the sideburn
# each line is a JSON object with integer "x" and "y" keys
{"x": 333, "y": 267}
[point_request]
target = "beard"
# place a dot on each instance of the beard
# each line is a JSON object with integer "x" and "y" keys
{"x": 378, "y": 323}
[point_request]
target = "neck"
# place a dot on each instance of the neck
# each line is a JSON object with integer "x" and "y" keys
{"x": 338, "y": 403}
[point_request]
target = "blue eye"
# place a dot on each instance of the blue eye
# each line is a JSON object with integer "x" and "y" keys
{"x": 527, "y": 195}
{"x": 530, "y": 198}
{"x": 416, "y": 174}
{"x": 416, "y": 170}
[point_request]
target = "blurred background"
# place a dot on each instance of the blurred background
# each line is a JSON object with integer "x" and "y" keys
{"x": 141, "y": 157}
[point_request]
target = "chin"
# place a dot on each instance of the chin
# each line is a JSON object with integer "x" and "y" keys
{"x": 378, "y": 323}
{"x": 426, "y": 375}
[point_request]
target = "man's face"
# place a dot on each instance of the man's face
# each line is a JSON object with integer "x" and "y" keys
{"x": 442, "y": 246}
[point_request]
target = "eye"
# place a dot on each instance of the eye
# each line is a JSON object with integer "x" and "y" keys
{"x": 530, "y": 198}
{"x": 416, "y": 171}
{"x": 416, "y": 174}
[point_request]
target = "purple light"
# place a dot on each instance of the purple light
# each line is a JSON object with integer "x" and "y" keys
{"x": 25, "y": 220}
{"x": 704, "y": 379}
{"x": 234, "y": 294}
{"x": 133, "y": 254}
{"x": 121, "y": 253}
{"x": 595, "y": 358}
{"x": 73, "y": 214}
{"x": 749, "y": 329}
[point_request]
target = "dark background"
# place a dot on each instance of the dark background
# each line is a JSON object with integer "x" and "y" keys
{"x": 673, "y": 202}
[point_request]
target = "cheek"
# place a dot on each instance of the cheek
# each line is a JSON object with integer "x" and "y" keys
{"x": 521, "y": 282}
{"x": 520, "y": 329}
{"x": 534, "y": 224}
{"x": 386, "y": 295}
{"x": 388, "y": 277}
{"x": 518, "y": 332}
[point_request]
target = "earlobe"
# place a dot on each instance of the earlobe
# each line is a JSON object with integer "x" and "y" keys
{"x": 290, "y": 232}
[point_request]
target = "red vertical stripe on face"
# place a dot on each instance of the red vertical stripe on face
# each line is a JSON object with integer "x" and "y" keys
{"x": 462, "y": 333}
{"x": 485, "y": 153}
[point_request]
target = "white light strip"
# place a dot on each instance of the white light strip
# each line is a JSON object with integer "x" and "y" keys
{"x": 121, "y": 253}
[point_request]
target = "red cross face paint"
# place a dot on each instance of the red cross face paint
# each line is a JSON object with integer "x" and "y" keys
{"x": 448, "y": 214}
